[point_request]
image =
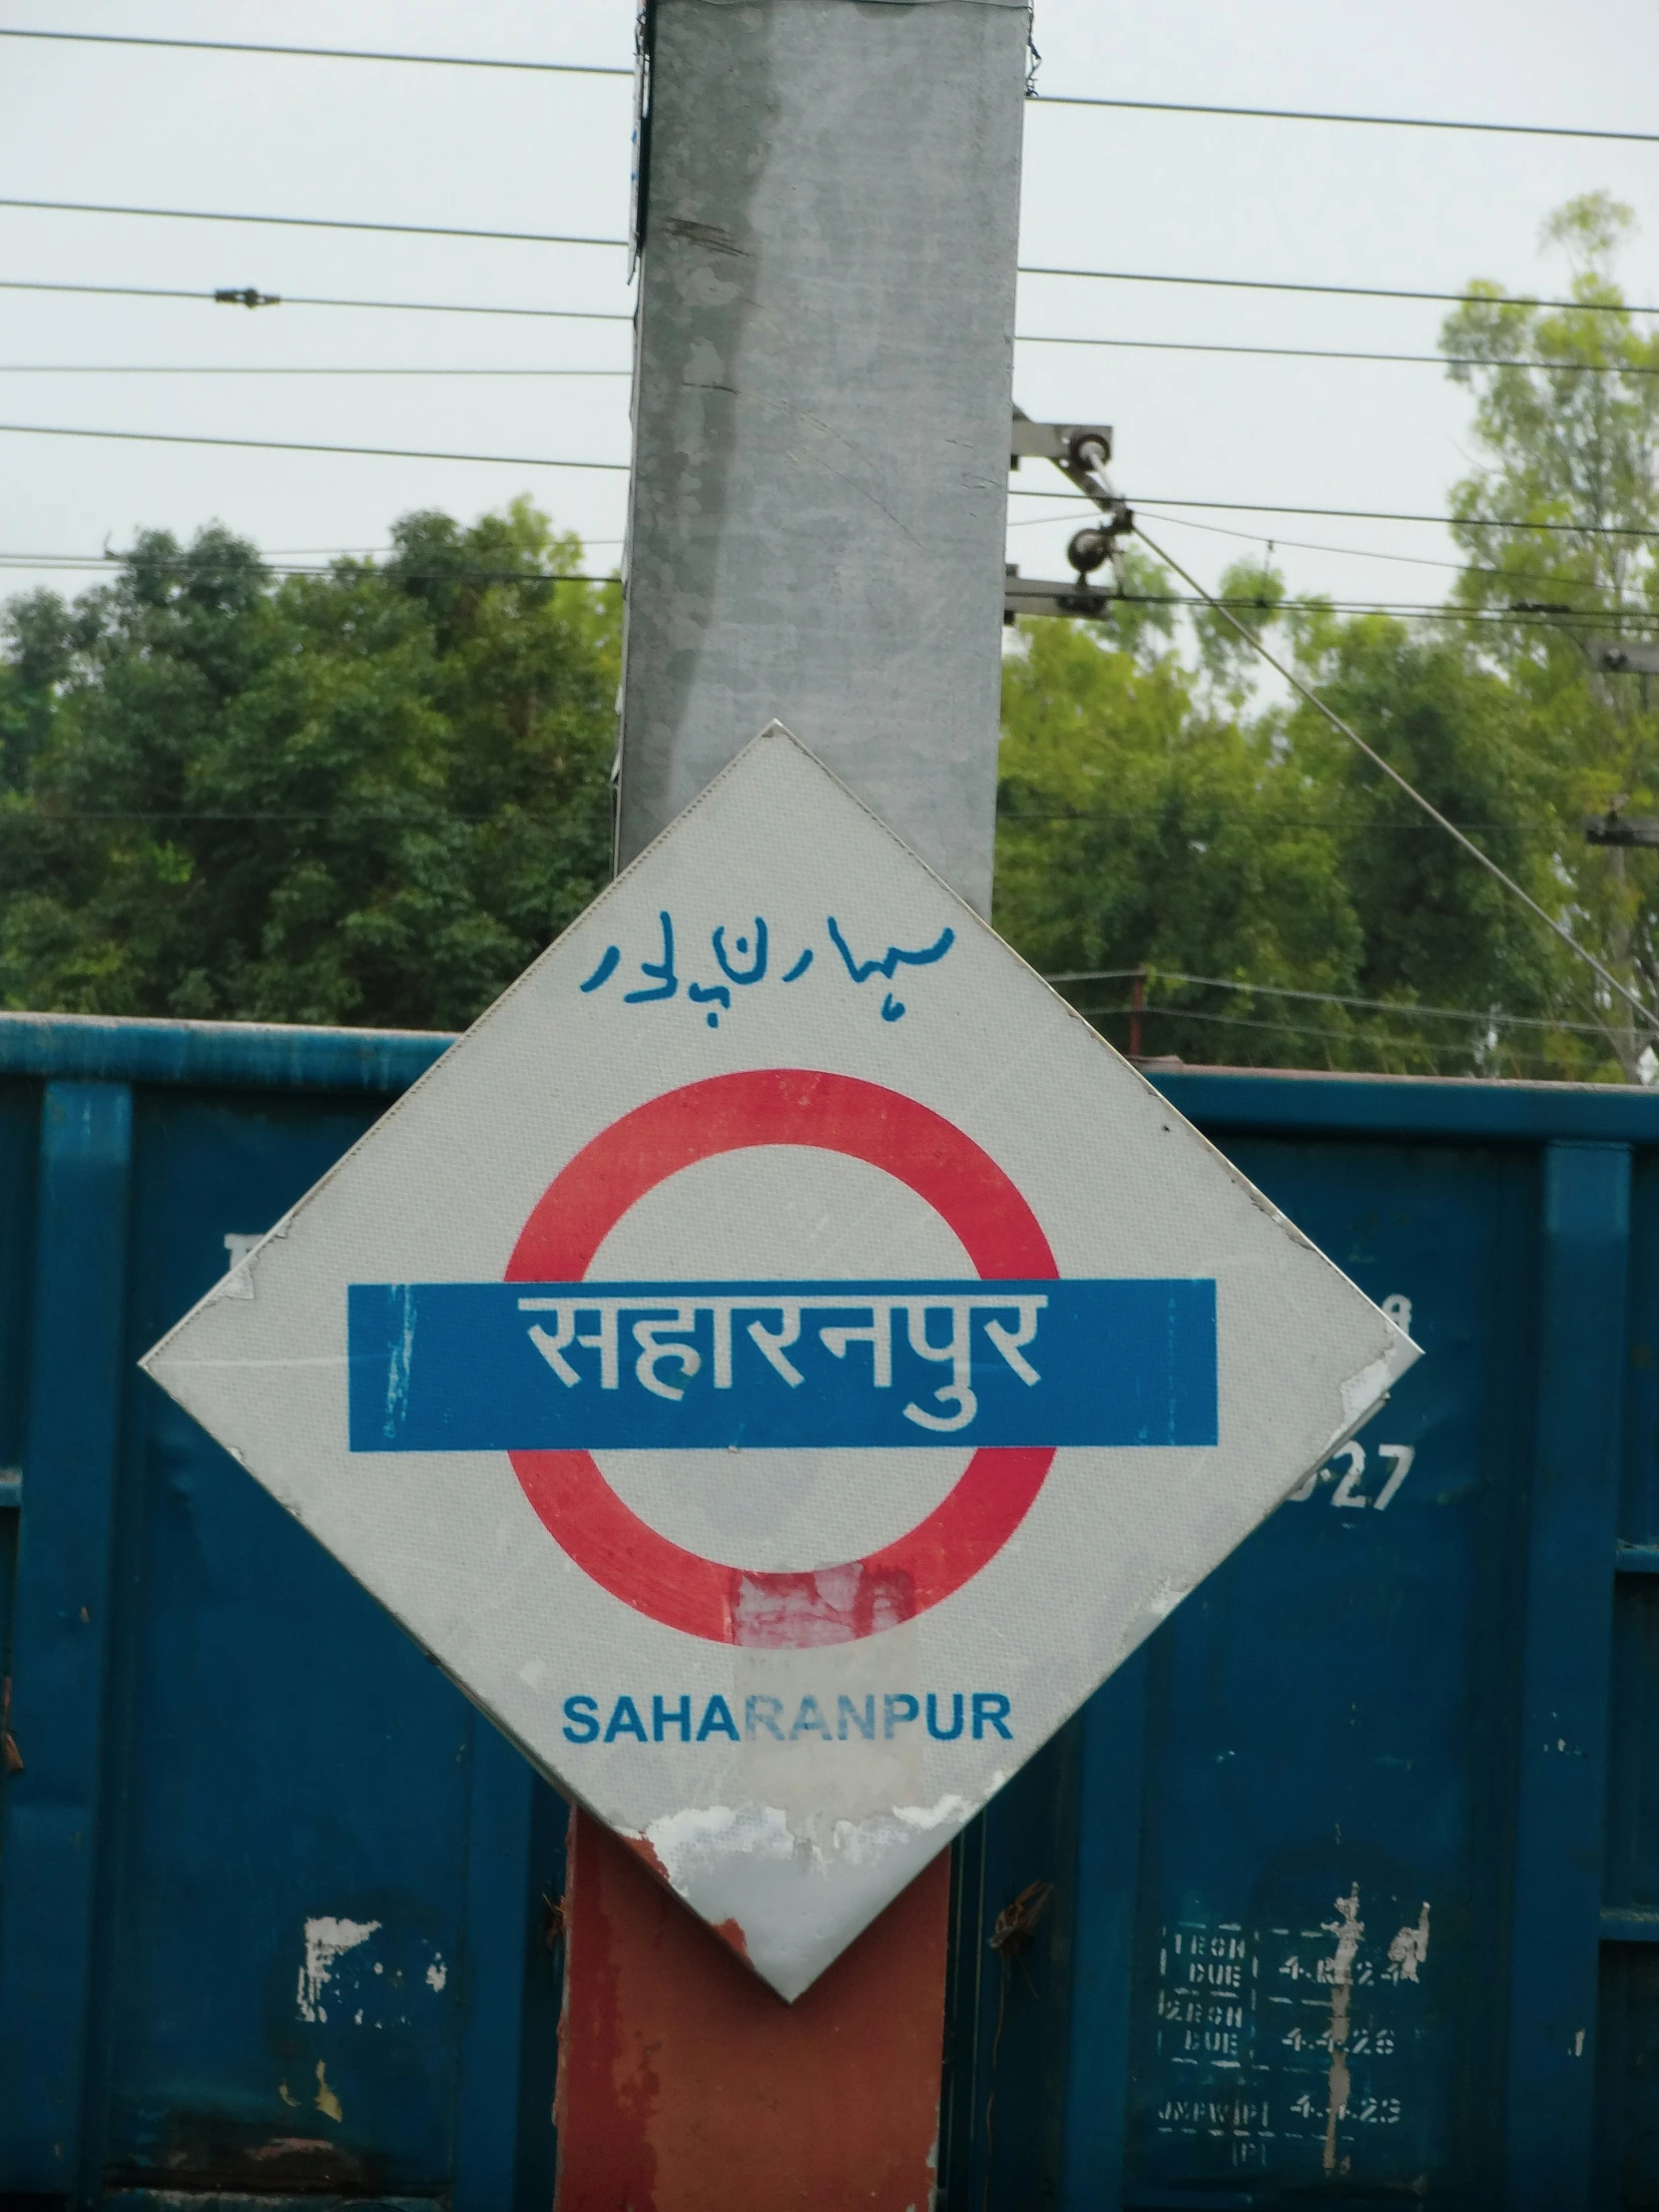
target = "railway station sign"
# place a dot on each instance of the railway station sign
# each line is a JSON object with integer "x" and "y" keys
{"x": 781, "y": 1360}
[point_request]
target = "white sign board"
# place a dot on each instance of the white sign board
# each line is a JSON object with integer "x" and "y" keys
{"x": 781, "y": 1360}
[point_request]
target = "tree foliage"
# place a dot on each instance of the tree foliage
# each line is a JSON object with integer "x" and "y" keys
{"x": 371, "y": 795}
{"x": 1158, "y": 813}
{"x": 374, "y": 793}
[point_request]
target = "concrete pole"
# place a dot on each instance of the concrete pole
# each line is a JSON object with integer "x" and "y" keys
{"x": 822, "y": 405}
{"x": 821, "y": 413}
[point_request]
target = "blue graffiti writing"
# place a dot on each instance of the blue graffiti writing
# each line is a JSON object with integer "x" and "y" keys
{"x": 744, "y": 957}
{"x": 664, "y": 967}
{"x": 756, "y": 970}
{"x": 606, "y": 968}
{"x": 889, "y": 962}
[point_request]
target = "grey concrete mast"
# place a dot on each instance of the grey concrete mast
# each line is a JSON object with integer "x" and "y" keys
{"x": 821, "y": 404}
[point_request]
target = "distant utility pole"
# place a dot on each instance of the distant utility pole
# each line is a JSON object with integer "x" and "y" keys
{"x": 830, "y": 203}
{"x": 831, "y": 195}
{"x": 1616, "y": 828}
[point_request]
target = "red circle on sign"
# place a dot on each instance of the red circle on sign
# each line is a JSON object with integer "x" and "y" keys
{"x": 833, "y": 1113}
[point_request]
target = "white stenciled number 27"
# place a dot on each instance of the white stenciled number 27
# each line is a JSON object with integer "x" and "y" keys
{"x": 1351, "y": 1456}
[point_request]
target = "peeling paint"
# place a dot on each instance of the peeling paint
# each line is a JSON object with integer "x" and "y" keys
{"x": 325, "y": 1938}
{"x": 1348, "y": 1931}
{"x": 287, "y": 2094}
{"x": 438, "y": 1973}
{"x": 1411, "y": 1948}
{"x": 238, "y": 1277}
{"x": 949, "y": 1808}
{"x": 730, "y": 1933}
{"x": 683, "y": 1841}
{"x": 1363, "y": 1394}
{"x": 326, "y": 2100}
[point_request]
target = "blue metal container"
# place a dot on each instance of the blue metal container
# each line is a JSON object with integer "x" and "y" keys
{"x": 1345, "y": 1889}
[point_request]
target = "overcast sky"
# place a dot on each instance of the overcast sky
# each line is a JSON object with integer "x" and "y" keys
{"x": 492, "y": 150}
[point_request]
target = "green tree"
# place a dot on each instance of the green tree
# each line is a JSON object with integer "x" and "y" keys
{"x": 1163, "y": 810}
{"x": 1569, "y": 481}
{"x": 367, "y": 796}
{"x": 1243, "y": 858}
{"x": 1138, "y": 826}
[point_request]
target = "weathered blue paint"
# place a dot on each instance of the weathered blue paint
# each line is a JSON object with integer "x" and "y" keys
{"x": 1349, "y": 1720}
{"x": 60, "y": 1629}
{"x": 1561, "y": 1785}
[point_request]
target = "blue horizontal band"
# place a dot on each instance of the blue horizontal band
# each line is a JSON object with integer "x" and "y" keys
{"x": 504, "y": 1367}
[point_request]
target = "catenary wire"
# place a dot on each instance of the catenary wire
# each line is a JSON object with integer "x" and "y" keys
{"x": 1026, "y": 268}
{"x": 309, "y": 223}
{"x": 1325, "y": 115}
{"x": 1337, "y": 354}
{"x": 1421, "y": 610}
{"x": 1511, "y": 576}
{"x": 1416, "y": 609}
{"x": 1152, "y": 972}
{"x": 1381, "y": 1044}
{"x": 291, "y": 445}
{"x": 1040, "y": 100}
{"x": 621, "y": 315}
{"x": 1353, "y": 736}
{"x": 1379, "y": 515}
{"x": 184, "y": 565}
{"x": 297, "y": 299}
{"x": 1341, "y": 291}
{"x": 1299, "y": 545}
{"x": 317, "y": 53}
{"x": 275, "y": 369}
{"x": 71, "y": 564}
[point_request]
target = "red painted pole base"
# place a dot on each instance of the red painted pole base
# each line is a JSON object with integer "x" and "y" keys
{"x": 686, "y": 2085}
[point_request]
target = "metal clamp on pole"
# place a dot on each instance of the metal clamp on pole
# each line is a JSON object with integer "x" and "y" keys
{"x": 1080, "y": 451}
{"x": 1032, "y": 595}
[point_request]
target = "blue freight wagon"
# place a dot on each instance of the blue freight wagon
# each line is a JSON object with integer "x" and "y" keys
{"x": 1346, "y": 1889}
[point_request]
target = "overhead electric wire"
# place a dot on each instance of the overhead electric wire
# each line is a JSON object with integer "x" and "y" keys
{"x": 1497, "y": 618}
{"x": 291, "y": 445}
{"x": 1040, "y": 100}
{"x": 271, "y": 369}
{"x": 308, "y": 223}
{"x": 1341, "y": 291}
{"x": 1328, "y": 115}
{"x": 297, "y": 300}
{"x": 1382, "y": 1045}
{"x": 1026, "y": 268}
{"x": 1421, "y": 610}
{"x": 1303, "y": 545}
{"x": 1346, "y": 730}
{"x": 622, "y": 314}
{"x": 1153, "y": 973}
{"x": 1337, "y": 354}
{"x": 1349, "y": 552}
{"x": 318, "y": 53}
{"x": 1380, "y": 514}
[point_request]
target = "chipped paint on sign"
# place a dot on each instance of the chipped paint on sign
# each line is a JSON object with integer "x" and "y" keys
{"x": 807, "y": 1508}
{"x": 325, "y": 1939}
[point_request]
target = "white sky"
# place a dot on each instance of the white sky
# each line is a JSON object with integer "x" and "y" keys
{"x": 493, "y": 150}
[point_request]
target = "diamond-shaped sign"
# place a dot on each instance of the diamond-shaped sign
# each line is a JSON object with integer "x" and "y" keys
{"x": 781, "y": 1360}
